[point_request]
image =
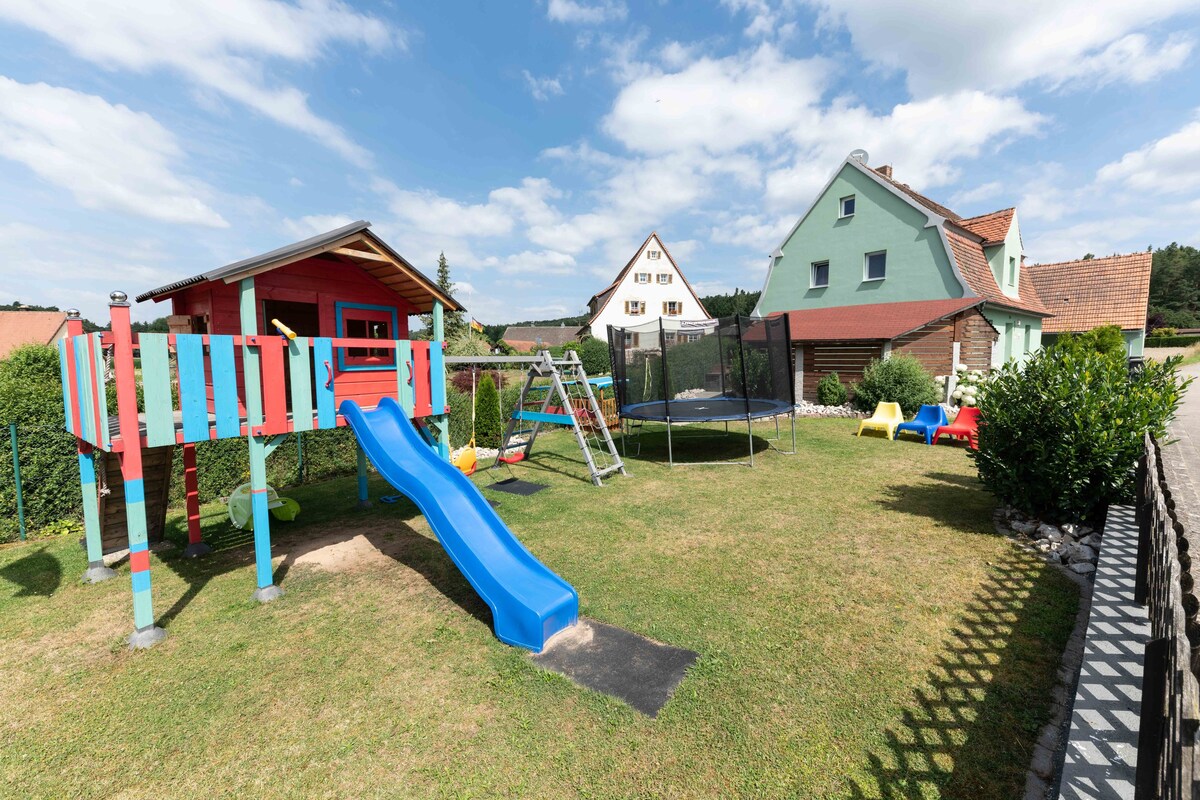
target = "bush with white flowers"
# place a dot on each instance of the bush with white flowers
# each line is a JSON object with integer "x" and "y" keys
{"x": 970, "y": 383}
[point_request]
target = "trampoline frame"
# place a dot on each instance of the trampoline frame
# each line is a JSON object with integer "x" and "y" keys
{"x": 726, "y": 418}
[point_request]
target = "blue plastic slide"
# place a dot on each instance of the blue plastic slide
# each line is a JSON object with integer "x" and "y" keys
{"x": 529, "y": 602}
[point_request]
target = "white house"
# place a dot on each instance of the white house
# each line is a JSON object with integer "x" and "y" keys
{"x": 650, "y": 286}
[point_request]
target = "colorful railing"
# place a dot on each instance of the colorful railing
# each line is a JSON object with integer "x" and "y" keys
{"x": 199, "y": 394}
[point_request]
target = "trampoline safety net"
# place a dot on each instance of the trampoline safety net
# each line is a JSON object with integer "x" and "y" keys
{"x": 703, "y": 370}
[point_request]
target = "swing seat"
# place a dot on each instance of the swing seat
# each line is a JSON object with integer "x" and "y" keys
{"x": 467, "y": 460}
{"x": 515, "y": 458}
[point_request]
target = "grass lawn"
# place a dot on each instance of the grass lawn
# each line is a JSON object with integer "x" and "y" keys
{"x": 862, "y": 632}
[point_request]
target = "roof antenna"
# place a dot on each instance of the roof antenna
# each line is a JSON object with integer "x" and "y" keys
{"x": 860, "y": 156}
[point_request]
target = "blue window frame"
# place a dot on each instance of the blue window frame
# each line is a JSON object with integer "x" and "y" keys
{"x": 363, "y": 321}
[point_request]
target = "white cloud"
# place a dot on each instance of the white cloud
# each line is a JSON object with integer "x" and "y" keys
{"x": 108, "y": 156}
{"x": 542, "y": 88}
{"x": 718, "y": 105}
{"x": 583, "y": 13}
{"x": 542, "y": 262}
{"x": 433, "y": 214}
{"x": 946, "y": 47}
{"x": 295, "y": 182}
{"x": 221, "y": 45}
{"x": 1169, "y": 164}
{"x": 922, "y": 139}
{"x": 313, "y": 224}
{"x": 766, "y": 19}
{"x": 977, "y": 194}
{"x": 759, "y": 232}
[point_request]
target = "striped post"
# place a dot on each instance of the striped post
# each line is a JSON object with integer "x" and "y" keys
{"x": 252, "y": 375}
{"x": 146, "y": 633}
{"x": 437, "y": 381}
{"x": 191, "y": 486}
{"x": 364, "y": 497}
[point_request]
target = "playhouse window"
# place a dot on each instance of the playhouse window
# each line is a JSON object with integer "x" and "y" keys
{"x": 357, "y": 321}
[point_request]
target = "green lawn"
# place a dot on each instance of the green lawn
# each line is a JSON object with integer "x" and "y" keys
{"x": 862, "y": 632}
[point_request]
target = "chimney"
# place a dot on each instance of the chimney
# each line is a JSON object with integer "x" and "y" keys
{"x": 885, "y": 171}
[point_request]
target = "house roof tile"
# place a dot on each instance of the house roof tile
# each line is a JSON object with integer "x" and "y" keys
{"x": 973, "y": 265}
{"x": 993, "y": 227}
{"x": 932, "y": 205}
{"x": 548, "y": 335}
{"x": 1099, "y": 291}
{"x": 872, "y": 321}
{"x": 19, "y": 328}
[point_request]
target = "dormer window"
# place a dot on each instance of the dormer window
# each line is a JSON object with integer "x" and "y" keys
{"x": 654, "y": 255}
{"x": 641, "y": 277}
{"x": 846, "y": 207}
{"x": 1012, "y": 271}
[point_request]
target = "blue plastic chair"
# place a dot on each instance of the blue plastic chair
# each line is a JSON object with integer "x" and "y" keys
{"x": 927, "y": 420}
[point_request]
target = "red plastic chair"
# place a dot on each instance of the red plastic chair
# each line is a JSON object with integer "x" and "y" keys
{"x": 965, "y": 426}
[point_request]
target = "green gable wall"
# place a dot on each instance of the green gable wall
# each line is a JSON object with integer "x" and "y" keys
{"x": 1014, "y": 346}
{"x": 998, "y": 255}
{"x": 918, "y": 267}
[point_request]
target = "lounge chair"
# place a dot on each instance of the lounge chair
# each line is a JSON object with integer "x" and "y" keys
{"x": 886, "y": 417}
{"x": 965, "y": 426}
{"x": 928, "y": 420}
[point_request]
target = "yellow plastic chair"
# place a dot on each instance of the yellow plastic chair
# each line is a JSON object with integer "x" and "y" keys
{"x": 886, "y": 417}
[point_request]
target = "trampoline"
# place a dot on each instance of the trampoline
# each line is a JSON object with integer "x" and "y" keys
{"x": 690, "y": 371}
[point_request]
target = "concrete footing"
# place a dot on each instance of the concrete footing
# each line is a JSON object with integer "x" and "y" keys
{"x": 196, "y": 549}
{"x": 146, "y": 637}
{"x": 268, "y": 593}
{"x": 364, "y": 504}
{"x": 97, "y": 573}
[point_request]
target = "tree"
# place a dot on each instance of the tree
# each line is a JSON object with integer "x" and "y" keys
{"x": 489, "y": 426}
{"x": 452, "y": 321}
{"x": 1175, "y": 285}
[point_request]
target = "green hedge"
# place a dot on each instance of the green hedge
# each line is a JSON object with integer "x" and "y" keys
{"x": 1171, "y": 341}
{"x": 31, "y": 396}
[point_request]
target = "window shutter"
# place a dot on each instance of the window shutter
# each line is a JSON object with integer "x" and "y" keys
{"x": 664, "y": 307}
{"x": 626, "y": 306}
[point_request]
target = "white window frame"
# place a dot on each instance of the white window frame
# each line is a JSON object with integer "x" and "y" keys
{"x": 867, "y": 262}
{"x": 639, "y": 305}
{"x": 678, "y": 307}
{"x": 1012, "y": 271}
{"x": 654, "y": 255}
{"x": 638, "y": 277}
{"x": 812, "y": 275}
{"x": 842, "y": 206}
{"x": 631, "y": 340}
{"x": 659, "y": 279}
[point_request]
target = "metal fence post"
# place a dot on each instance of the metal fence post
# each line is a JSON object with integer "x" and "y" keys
{"x": 12, "y": 435}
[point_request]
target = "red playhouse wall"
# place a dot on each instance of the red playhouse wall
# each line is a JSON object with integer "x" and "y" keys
{"x": 320, "y": 281}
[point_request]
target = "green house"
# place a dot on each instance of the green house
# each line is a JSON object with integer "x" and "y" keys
{"x": 875, "y": 249}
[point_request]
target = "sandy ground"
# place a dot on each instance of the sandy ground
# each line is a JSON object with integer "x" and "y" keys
{"x": 343, "y": 550}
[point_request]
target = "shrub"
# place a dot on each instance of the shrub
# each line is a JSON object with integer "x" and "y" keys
{"x": 468, "y": 344}
{"x": 1106, "y": 340}
{"x": 488, "y": 423}
{"x": 594, "y": 355}
{"x": 31, "y": 396}
{"x": 899, "y": 379}
{"x": 1059, "y": 438}
{"x": 1171, "y": 341}
{"x": 1164, "y": 332}
{"x": 831, "y": 391}
{"x": 970, "y": 383}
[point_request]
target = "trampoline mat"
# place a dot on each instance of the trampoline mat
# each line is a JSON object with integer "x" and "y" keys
{"x": 710, "y": 409}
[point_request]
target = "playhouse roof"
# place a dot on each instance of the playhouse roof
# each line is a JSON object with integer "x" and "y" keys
{"x": 353, "y": 243}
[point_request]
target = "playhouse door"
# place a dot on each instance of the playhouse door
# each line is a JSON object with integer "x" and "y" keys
{"x": 304, "y": 319}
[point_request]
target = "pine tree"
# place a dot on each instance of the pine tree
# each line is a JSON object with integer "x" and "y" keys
{"x": 489, "y": 426}
{"x": 452, "y": 321}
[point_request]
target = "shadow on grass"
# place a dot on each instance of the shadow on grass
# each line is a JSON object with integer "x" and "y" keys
{"x": 38, "y": 574}
{"x": 953, "y": 500}
{"x": 693, "y": 444}
{"x": 385, "y": 526}
{"x": 969, "y": 731}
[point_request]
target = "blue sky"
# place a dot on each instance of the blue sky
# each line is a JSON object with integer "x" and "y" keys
{"x": 538, "y": 143}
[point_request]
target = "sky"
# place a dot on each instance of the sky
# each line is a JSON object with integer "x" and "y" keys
{"x": 538, "y": 143}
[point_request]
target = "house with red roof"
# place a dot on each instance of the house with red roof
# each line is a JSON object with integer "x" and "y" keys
{"x": 875, "y": 267}
{"x": 19, "y": 328}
